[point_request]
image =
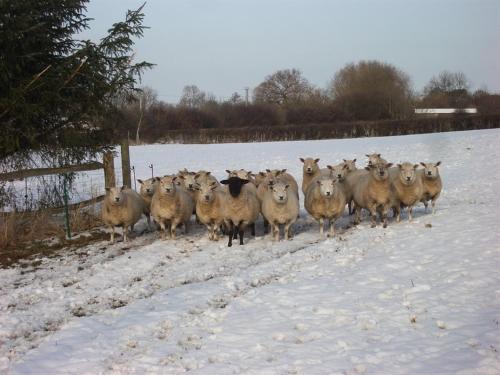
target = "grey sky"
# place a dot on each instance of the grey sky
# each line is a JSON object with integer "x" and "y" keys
{"x": 224, "y": 45}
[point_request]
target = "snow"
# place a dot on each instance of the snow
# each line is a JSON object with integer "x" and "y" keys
{"x": 414, "y": 298}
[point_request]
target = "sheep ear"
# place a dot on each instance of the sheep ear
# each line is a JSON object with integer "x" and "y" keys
{"x": 208, "y": 173}
{"x": 224, "y": 182}
{"x": 270, "y": 183}
{"x": 316, "y": 160}
{"x": 378, "y": 155}
{"x": 107, "y": 189}
{"x": 302, "y": 160}
{"x": 400, "y": 166}
{"x": 175, "y": 178}
{"x": 287, "y": 186}
{"x": 368, "y": 168}
{"x": 345, "y": 166}
{"x": 157, "y": 178}
{"x": 329, "y": 167}
{"x": 283, "y": 170}
{"x": 243, "y": 182}
{"x": 197, "y": 175}
{"x": 318, "y": 182}
{"x": 228, "y": 171}
{"x": 423, "y": 164}
{"x": 140, "y": 181}
{"x": 367, "y": 155}
{"x": 123, "y": 187}
{"x": 262, "y": 174}
{"x": 345, "y": 161}
{"x": 354, "y": 160}
{"x": 268, "y": 170}
{"x": 388, "y": 165}
{"x": 438, "y": 164}
{"x": 415, "y": 166}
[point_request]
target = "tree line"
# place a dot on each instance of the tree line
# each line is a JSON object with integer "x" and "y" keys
{"x": 367, "y": 90}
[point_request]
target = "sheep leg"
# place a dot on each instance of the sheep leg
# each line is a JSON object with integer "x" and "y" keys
{"x": 163, "y": 230}
{"x": 148, "y": 219}
{"x": 215, "y": 235}
{"x": 173, "y": 230}
{"x": 125, "y": 233}
{"x": 321, "y": 225}
{"x": 276, "y": 230}
{"x": 434, "y": 199}
{"x": 209, "y": 229}
{"x": 230, "y": 235}
{"x": 241, "y": 232}
{"x": 373, "y": 214}
{"x": 287, "y": 230}
{"x": 186, "y": 227}
{"x": 266, "y": 226}
{"x": 410, "y": 212}
{"x": 253, "y": 229}
{"x": 383, "y": 215}
{"x": 112, "y": 239}
{"x": 425, "y": 205}
{"x": 332, "y": 227}
{"x": 357, "y": 211}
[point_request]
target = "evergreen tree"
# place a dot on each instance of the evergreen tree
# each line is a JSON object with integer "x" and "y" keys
{"x": 56, "y": 91}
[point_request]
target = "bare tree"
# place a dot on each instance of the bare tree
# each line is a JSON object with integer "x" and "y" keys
{"x": 283, "y": 87}
{"x": 447, "y": 82}
{"x": 146, "y": 98}
{"x": 235, "y": 98}
{"x": 192, "y": 97}
{"x": 372, "y": 90}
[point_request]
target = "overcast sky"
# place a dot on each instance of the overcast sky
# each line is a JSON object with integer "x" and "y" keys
{"x": 223, "y": 46}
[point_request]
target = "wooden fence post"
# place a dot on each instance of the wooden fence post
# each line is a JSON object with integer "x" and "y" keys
{"x": 126, "y": 163}
{"x": 109, "y": 169}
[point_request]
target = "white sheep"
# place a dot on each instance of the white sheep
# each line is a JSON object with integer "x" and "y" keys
{"x": 122, "y": 207}
{"x": 243, "y": 174}
{"x": 205, "y": 176}
{"x": 146, "y": 192}
{"x": 310, "y": 170}
{"x": 242, "y": 207}
{"x": 372, "y": 190}
{"x": 280, "y": 206}
{"x": 284, "y": 176}
{"x": 171, "y": 206}
{"x": 407, "y": 186}
{"x": 374, "y": 159}
{"x": 210, "y": 207}
{"x": 324, "y": 199}
{"x": 432, "y": 184}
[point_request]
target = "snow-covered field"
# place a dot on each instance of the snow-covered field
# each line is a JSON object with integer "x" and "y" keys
{"x": 415, "y": 298}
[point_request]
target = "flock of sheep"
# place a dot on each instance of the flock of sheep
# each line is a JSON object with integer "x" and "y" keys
{"x": 234, "y": 204}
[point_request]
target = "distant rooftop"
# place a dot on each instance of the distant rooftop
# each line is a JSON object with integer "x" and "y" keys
{"x": 438, "y": 111}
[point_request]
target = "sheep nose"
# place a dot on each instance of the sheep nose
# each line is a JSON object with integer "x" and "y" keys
{"x": 429, "y": 173}
{"x": 309, "y": 169}
{"x": 339, "y": 176}
{"x": 408, "y": 178}
{"x": 190, "y": 186}
{"x": 117, "y": 199}
{"x": 207, "y": 197}
{"x": 167, "y": 190}
{"x": 328, "y": 193}
{"x": 281, "y": 198}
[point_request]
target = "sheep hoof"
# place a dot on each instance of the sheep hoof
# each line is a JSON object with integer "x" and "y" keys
{"x": 385, "y": 225}
{"x": 373, "y": 225}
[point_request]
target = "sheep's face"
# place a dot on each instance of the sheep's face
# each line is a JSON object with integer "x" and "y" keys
{"x": 431, "y": 169}
{"x": 326, "y": 187}
{"x": 148, "y": 187}
{"x": 407, "y": 173}
{"x": 380, "y": 170}
{"x": 206, "y": 190}
{"x": 373, "y": 159}
{"x": 279, "y": 192}
{"x": 310, "y": 166}
{"x": 338, "y": 171}
{"x": 190, "y": 181}
{"x": 168, "y": 184}
{"x": 116, "y": 195}
{"x": 275, "y": 172}
{"x": 235, "y": 184}
{"x": 351, "y": 164}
